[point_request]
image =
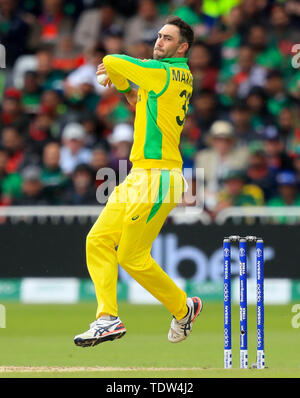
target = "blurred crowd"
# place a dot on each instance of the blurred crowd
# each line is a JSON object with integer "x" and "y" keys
{"x": 58, "y": 126}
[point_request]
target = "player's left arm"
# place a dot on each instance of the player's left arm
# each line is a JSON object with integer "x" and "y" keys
{"x": 148, "y": 74}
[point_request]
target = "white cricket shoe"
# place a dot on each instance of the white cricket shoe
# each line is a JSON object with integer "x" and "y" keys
{"x": 101, "y": 330}
{"x": 180, "y": 329}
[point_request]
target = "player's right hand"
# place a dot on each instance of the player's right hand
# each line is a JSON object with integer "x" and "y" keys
{"x": 102, "y": 70}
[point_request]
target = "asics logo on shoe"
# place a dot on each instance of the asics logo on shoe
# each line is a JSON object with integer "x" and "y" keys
{"x": 100, "y": 331}
{"x": 181, "y": 329}
{"x": 103, "y": 329}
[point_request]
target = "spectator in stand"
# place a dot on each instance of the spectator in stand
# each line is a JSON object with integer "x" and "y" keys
{"x": 12, "y": 111}
{"x": 237, "y": 192}
{"x": 274, "y": 148}
{"x": 293, "y": 86}
{"x": 260, "y": 116}
{"x": 52, "y": 177}
{"x": 188, "y": 147}
{"x": 48, "y": 77}
{"x": 66, "y": 56}
{"x": 10, "y": 183}
{"x": 85, "y": 74}
{"x": 258, "y": 173}
{"x": 277, "y": 95}
{"x": 247, "y": 74}
{"x": 82, "y": 191}
{"x": 288, "y": 195}
{"x": 83, "y": 98}
{"x": 3, "y": 160}
{"x": 292, "y": 7}
{"x": 2, "y": 201}
{"x": 231, "y": 32}
{"x": 289, "y": 127}
{"x": 201, "y": 66}
{"x": 188, "y": 143}
{"x": 282, "y": 31}
{"x": 40, "y": 131}
{"x": 94, "y": 130}
{"x": 228, "y": 94}
{"x": 241, "y": 119}
{"x": 143, "y": 26}
{"x": 50, "y": 26}
{"x": 32, "y": 188}
{"x": 288, "y": 120}
{"x": 113, "y": 44}
{"x": 73, "y": 151}
{"x": 140, "y": 50}
{"x": 52, "y": 100}
{"x": 13, "y": 31}
{"x": 206, "y": 112}
{"x": 97, "y": 23}
{"x": 296, "y": 164}
{"x": 13, "y": 143}
{"x": 266, "y": 55}
{"x": 222, "y": 156}
{"x": 81, "y": 88}
{"x": 294, "y": 144}
{"x": 31, "y": 93}
{"x": 101, "y": 161}
{"x": 191, "y": 12}
{"x": 251, "y": 12}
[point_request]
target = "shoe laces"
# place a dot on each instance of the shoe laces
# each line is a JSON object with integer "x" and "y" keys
{"x": 185, "y": 323}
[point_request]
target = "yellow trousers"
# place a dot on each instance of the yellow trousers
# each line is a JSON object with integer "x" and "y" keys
{"x": 123, "y": 234}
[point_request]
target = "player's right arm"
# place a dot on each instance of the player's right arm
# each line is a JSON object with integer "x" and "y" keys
{"x": 148, "y": 74}
{"x": 131, "y": 95}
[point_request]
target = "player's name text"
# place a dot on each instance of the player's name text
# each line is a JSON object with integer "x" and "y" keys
{"x": 182, "y": 76}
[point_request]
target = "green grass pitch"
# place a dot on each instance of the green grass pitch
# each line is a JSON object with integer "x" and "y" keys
{"x": 41, "y": 336}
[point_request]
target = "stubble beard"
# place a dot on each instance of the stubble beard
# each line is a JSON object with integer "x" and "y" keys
{"x": 161, "y": 55}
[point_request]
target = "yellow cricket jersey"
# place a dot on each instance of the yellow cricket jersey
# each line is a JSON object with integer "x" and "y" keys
{"x": 165, "y": 88}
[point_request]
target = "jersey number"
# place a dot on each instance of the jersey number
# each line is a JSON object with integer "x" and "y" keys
{"x": 184, "y": 107}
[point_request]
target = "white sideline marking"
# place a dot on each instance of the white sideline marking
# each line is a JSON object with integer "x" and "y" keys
{"x": 7, "y": 369}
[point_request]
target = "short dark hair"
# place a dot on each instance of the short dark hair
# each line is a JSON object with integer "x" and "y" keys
{"x": 186, "y": 31}
{"x": 274, "y": 73}
{"x": 240, "y": 106}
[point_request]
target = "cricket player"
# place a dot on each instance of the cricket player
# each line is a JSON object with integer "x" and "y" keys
{"x": 137, "y": 208}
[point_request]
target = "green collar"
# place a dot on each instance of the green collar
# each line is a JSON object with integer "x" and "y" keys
{"x": 175, "y": 60}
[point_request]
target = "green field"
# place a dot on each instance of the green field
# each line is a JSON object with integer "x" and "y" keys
{"x": 41, "y": 336}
